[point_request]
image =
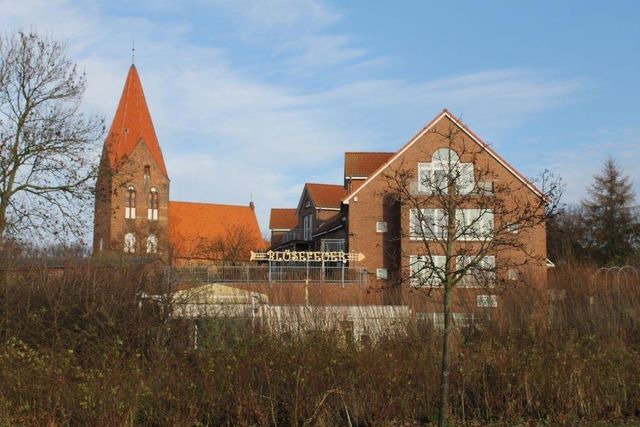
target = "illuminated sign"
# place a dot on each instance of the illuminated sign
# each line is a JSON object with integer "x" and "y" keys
{"x": 306, "y": 256}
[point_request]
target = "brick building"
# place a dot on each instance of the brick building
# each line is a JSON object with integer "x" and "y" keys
{"x": 133, "y": 210}
{"x": 364, "y": 214}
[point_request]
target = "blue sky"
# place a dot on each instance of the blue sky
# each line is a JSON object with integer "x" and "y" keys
{"x": 251, "y": 99}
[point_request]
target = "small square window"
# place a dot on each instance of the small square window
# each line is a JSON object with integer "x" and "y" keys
{"x": 513, "y": 228}
{"x": 487, "y": 301}
{"x": 381, "y": 227}
{"x": 485, "y": 187}
{"x": 381, "y": 273}
{"x": 512, "y": 274}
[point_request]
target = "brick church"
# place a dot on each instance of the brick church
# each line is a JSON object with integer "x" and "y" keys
{"x": 133, "y": 210}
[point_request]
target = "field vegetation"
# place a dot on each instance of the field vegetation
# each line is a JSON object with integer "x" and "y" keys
{"x": 78, "y": 346}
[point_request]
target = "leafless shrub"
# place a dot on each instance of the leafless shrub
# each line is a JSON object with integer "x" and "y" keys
{"x": 83, "y": 346}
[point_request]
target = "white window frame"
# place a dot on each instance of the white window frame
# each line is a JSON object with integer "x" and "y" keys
{"x": 483, "y": 218}
{"x": 485, "y": 187}
{"x": 130, "y": 212}
{"x": 438, "y": 229}
{"x": 152, "y": 244}
{"x": 129, "y": 243}
{"x": 513, "y": 228}
{"x": 382, "y": 274}
{"x": 307, "y": 224}
{"x": 427, "y": 172}
{"x": 459, "y": 320}
{"x": 152, "y": 213}
{"x": 381, "y": 227}
{"x": 487, "y": 301}
{"x": 418, "y": 271}
{"x": 470, "y": 280}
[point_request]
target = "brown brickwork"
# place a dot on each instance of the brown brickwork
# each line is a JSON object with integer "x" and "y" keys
{"x": 372, "y": 203}
{"x": 132, "y": 159}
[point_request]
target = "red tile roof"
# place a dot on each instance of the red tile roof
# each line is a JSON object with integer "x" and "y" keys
{"x": 363, "y": 164}
{"x": 283, "y": 218}
{"x": 326, "y": 195}
{"x": 192, "y": 225}
{"x": 132, "y": 123}
{"x": 329, "y": 224}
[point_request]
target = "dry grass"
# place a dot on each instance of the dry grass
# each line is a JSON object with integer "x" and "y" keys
{"x": 76, "y": 348}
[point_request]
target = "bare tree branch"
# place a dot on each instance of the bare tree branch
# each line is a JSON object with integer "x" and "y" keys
{"x": 47, "y": 145}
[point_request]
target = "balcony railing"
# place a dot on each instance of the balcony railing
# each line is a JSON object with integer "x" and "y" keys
{"x": 293, "y": 235}
{"x": 332, "y": 245}
{"x": 270, "y": 274}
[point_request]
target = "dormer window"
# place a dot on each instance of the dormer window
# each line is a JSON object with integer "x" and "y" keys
{"x": 152, "y": 212}
{"x": 130, "y": 206}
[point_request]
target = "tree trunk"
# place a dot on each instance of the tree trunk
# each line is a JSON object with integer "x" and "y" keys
{"x": 446, "y": 359}
{"x": 3, "y": 221}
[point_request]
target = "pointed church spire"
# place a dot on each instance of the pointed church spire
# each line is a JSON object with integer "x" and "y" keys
{"x": 131, "y": 124}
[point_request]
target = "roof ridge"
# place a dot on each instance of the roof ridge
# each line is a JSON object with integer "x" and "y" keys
{"x": 320, "y": 183}
{"x": 464, "y": 128}
{"x": 369, "y": 152}
{"x": 209, "y": 204}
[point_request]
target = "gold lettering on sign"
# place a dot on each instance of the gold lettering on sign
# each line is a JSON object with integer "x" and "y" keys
{"x": 306, "y": 256}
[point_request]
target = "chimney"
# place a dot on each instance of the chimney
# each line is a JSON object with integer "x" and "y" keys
{"x": 252, "y": 206}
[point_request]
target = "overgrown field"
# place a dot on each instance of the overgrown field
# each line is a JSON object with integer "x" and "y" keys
{"x": 77, "y": 348}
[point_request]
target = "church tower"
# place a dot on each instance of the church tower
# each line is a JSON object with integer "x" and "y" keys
{"x": 132, "y": 190}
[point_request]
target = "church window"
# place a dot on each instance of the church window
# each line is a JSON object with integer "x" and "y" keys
{"x": 130, "y": 208}
{"x": 152, "y": 244}
{"x": 152, "y": 212}
{"x": 129, "y": 243}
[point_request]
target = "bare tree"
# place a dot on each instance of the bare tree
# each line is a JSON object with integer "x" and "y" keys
{"x": 47, "y": 146}
{"x": 464, "y": 212}
{"x": 231, "y": 248}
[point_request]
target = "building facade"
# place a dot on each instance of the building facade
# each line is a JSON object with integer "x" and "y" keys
{"x": 386, "y": 209}
{"x": 133, "y": 212}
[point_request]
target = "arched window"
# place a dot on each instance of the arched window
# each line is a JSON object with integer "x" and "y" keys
{"x": 152, "y": 244}
{"x": 445, "y": 168}
{"x": 147, "y": 173}
{"x": 129, "y": 243}
{"x": 130, "y": 207}
{"x": 152, "y": 212}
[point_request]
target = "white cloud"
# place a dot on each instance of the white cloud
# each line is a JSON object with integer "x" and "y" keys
{"x": 279, "y": 16}
{"x": 229, "y": 134}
